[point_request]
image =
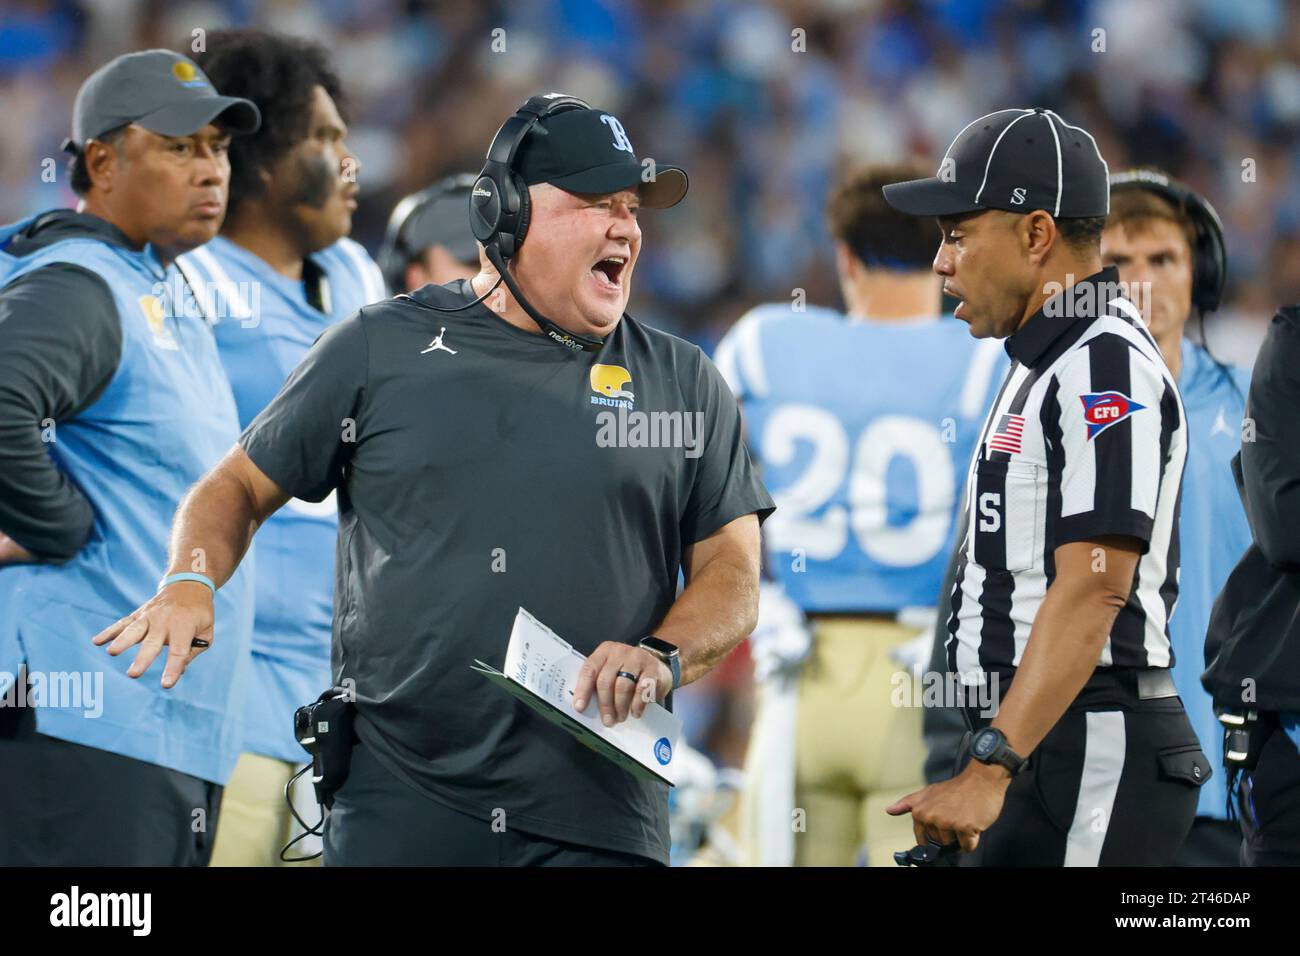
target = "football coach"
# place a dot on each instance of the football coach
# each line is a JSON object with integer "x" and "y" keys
{"x": 112, "y": 403}
{"x": 462, "y": 429}
{"x": 1069, "y": 569}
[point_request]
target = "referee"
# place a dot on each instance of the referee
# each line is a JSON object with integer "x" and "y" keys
{"x": 475, "y": 476}
{"x": 1069, "y": 570}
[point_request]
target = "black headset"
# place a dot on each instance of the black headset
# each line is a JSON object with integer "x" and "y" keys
{"x": 499, "y": 209}
{"x": 1209, "y": 255}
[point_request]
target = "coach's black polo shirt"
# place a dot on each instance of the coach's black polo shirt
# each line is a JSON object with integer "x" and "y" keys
{"x": 481, "y": 468}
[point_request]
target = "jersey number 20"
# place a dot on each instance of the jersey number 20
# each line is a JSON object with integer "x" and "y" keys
{"x": 824, "y": 536}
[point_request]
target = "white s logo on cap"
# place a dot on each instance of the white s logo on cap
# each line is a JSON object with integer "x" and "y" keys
{"x": 1018, "y": 196}
{"x": 620, "y": 135}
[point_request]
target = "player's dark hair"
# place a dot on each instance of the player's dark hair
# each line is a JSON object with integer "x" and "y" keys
{"x": 880, "y": 236}
{"x": 279, "y": 73}
{"x": 78, "y": 174}
{"x": 1082, "y": 235}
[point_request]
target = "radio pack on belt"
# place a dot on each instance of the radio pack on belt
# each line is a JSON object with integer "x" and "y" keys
{"x": 1244, "y": 734}
{"x": 324, "y": 729}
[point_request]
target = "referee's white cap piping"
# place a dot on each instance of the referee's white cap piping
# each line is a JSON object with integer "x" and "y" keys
{"x": 1018, "y": 173}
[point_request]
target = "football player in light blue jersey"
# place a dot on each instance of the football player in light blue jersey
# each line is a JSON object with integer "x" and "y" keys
{"x": 1168, "y": 246}
{"x": 863, "y": 425}
{"x": 280, "y": 272}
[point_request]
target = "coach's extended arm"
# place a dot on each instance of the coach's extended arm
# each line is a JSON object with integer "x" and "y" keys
{"x": 213, "y": 527}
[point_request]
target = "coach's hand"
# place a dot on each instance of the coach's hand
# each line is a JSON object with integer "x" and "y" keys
{"x": 619, "y": 696}
{"x": 179, "y": 617}
{"x": 957, "y": 810}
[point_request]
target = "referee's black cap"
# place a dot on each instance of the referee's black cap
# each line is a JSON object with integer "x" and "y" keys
{"x": 162, "y": 91}
{"x": 1017, "y": 160}
{"x": 588, "y": 151}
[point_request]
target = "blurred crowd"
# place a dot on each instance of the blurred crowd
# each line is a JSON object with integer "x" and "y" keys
{"x": 763, "y": 103}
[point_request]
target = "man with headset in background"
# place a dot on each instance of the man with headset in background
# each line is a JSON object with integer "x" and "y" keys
{"x": 1167, "y": 243}
{"x": 113, "y": 402}
{"x": 837, "y": 734}
{"x": 429, "y": 240}
{"x": 477, "y": 473}
{"x": 281, "y": 272}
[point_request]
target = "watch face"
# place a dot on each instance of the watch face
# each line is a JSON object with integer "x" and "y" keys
{"x": 659, "y": 646}
{"x": 984, "y": 744}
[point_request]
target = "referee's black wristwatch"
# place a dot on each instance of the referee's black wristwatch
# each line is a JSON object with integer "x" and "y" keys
{"x": 665, "y": 652}
{"x": 990, "y": 746}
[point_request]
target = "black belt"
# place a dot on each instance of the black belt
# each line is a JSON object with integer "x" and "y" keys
{"x": 1140, "y": 683}
{"x": 1144, "y": 683}
{"x": 1156, "y": 683}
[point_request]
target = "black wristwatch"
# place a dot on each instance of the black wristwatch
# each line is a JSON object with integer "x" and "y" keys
{"x": 665, "y": 652}
{"x": 990, "y": 746}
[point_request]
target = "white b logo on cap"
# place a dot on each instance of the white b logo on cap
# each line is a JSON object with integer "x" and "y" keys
{"x": 620, "y": 135}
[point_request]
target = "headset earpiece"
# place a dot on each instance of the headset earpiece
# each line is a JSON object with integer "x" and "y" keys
{"x": 484, "y": 209}
{"x": 525, "y": 213}
{"x": 1211, "y": 266}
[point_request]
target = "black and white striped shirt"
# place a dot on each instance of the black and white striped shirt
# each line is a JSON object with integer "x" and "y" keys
{"x": 1086, "y": 438}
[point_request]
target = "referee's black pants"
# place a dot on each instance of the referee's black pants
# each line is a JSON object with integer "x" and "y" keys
{"x": 66, "y": 804}
{"x": 380, "y": 820}
{"x": 1114, "y": 783}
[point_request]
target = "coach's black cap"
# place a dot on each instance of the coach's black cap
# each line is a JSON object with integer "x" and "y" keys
{"x": 588, "y": 151}
{"x": 1017, "y": 160}
{"x": 160, "y": 90}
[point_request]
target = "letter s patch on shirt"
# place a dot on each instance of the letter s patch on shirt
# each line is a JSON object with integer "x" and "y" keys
{"x": 1103, "y": 409}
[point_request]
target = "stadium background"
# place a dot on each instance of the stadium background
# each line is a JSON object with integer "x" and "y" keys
{"x": 1208, "y": 89}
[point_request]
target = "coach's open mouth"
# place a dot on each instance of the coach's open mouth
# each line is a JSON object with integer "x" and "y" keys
{"x": 609, "y": 271}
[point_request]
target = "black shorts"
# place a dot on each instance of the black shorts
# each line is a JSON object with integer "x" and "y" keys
{"x": 380, "y": 820}
{"x": 1114, "y": 783}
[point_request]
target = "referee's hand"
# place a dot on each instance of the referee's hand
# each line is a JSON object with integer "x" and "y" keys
{"x": 179, "y": 617}
{"x": 956, "y": 810}
{"x": 619, "y": 696}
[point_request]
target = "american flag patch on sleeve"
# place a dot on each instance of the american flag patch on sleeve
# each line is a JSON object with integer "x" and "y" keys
{"x": 1006, "y": 437}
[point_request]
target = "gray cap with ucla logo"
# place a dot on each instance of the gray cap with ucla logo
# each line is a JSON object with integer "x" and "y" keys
{"x": 162, "y": 91}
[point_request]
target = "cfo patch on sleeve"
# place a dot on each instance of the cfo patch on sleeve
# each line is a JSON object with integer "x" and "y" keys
{"x": 1103, "y": 409}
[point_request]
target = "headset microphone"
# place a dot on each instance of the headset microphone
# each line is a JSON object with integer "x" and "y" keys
{"x": 570, "y": 340}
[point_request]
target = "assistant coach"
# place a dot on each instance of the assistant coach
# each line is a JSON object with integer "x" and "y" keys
{"x": 1069, "y": 571}
{"x": 462, "y": 439}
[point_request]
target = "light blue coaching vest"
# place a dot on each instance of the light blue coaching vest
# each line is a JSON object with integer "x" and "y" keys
{"x": 165, "y": 419}
{"x": 1213, "y": 534}
{"x": 264, "y": 325}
